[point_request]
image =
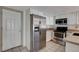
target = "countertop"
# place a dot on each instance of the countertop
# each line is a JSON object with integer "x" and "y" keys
{"x": 72, "y": 39}
{"x": 50, "y": 29}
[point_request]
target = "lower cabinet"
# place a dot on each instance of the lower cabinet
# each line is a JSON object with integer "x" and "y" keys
{"x": 49, "y": 35}
{"x": 71, "y": 47}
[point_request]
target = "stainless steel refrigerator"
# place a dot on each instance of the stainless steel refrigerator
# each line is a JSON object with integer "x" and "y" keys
{"x": 38, "y": 32}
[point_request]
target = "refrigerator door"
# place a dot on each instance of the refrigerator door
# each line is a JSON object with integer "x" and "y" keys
{"x": 42, "y": 38}
{"x": 36, "y": 40}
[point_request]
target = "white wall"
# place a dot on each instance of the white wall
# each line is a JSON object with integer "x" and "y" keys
{"x": 24, "y": 30}
{"x": 27, "y": 29}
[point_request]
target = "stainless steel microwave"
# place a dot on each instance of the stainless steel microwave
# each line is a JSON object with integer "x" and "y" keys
{"x": 61, "y": 21}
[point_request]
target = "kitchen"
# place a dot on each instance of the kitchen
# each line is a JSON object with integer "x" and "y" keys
{"x": 59, "y": 30}
{"x": 70, "y": 26}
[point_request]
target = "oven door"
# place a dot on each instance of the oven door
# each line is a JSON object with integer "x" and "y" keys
{"x": 59, "y": 34}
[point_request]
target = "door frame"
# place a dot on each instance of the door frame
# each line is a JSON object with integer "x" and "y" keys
{"x": 21, "y": 12}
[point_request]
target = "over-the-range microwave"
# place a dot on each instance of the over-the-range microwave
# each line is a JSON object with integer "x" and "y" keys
{"x": 61, "y": 21}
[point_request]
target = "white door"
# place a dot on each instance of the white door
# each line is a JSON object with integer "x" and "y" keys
{"x": 11, "y": 29}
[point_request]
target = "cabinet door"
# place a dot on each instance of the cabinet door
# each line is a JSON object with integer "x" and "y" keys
{"x": 72, "y": 18}
{"x": 77, "y": 18}
{"x": 50, "y": 20}
{"x": 47, "y": 21}
{"x": 43, "y": 21}
{"x": 11, "y": 29}
{"x": 61, "y": 16}
{"x": 71, "y": 47}
{"x": 49, "y": 35}
{"x": 35, "y": 20}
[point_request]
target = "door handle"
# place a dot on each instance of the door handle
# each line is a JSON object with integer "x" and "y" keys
{"x": 40, "y": 33}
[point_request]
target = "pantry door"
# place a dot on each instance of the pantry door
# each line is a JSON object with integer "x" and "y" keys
{"x": 11, "y": 29}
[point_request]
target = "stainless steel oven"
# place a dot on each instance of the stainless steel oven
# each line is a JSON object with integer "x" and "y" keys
{"x": 60, "y": 34}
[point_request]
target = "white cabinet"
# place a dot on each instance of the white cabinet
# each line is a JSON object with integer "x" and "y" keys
{"x": 49, "y": 35}
{"x": 71, "y": 47}
{"x": 50, "y": 20}
{"x": 43, "y": 21}
{"x": 61, "y": 16}
{"x": 72, "y": 42}
{"x": 10, "y": 29}
{"x": 72, "y": 18}
{"x": 77, "y": 18}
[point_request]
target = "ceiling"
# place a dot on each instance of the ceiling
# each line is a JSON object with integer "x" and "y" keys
{"x": 49, "y": 10}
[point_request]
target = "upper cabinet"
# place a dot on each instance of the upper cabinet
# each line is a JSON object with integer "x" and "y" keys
{"x": 77, "y": 18}
{"x": 49, "y": 20}
{"x": 43, "y": 21}
{"x": 72, "y": 18}
{"x": 61, "y": 16}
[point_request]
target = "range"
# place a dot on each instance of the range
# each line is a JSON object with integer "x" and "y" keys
{"x": 60, "y": 32}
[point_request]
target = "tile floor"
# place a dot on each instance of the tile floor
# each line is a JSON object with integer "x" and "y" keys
{"x": 17, "y": 49}
{"x": 50, "y": 47}
{"x": 53, "y": 47}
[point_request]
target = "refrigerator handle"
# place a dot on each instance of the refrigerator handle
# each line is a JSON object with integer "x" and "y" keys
{"x": 40, "y": 32}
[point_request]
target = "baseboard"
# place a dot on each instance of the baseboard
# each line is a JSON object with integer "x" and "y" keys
{"x": 11, "y": 48}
